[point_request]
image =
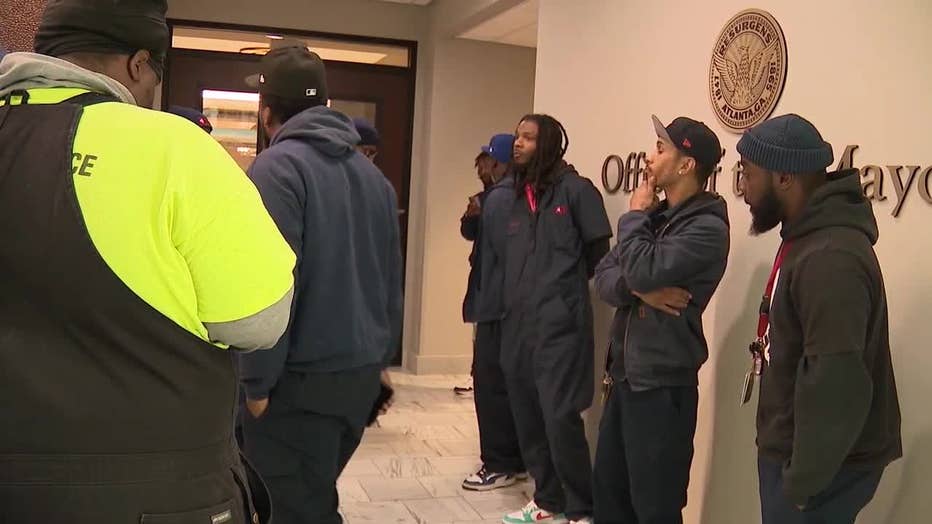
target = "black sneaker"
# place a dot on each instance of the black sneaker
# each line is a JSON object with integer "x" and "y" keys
{"x": 484, "y": 480}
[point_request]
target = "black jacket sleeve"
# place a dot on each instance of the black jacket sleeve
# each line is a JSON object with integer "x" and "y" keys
{"x": 650, "y": 263}
{"x": 832, "y": 294}
{"x": 610, "y": 285}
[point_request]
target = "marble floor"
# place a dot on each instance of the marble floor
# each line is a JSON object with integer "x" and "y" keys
{"x": 409, "y": 468}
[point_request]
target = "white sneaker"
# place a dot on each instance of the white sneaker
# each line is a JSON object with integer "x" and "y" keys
{"x": 584, "y": 520}
{"x": 532, "y": 514}
{"x": 485, "y": 480}
{"x": 464, "y": 389}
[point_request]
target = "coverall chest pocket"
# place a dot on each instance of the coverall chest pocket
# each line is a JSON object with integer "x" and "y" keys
{"x": 558, "y": 223}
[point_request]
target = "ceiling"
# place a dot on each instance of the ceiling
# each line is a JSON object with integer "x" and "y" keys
{"x": 414, "y": 2}
{"x": 516, "y": 26}
{"x": 259, "y": 43}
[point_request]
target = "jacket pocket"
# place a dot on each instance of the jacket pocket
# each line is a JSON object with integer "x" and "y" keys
{"x": 224, "y": 513}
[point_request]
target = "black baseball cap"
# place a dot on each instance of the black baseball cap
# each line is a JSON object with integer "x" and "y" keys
{"x": 692, "y": 138}
{"x": 293, "y": 72}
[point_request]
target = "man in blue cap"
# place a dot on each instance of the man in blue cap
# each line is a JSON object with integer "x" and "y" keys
{"x": 485, "y": 223}
{"x": 828, "y": 416}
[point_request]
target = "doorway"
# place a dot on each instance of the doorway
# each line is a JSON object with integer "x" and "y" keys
{"x": 372, "y": 78}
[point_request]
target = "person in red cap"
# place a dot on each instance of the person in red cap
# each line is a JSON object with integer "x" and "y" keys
{"x": 137, "y": 257}
{"x": 670, "y": 257}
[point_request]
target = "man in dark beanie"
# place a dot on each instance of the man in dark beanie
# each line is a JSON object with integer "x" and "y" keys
{"x": 135, "y": 254}
{"x": 369, "y": 139}
{"x": 828, "y": 419}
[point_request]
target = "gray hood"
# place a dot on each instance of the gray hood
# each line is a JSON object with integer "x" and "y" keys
{"x": 21, "y": 71}
{"x": 329, "y": 131}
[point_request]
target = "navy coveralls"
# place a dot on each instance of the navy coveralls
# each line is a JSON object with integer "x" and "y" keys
{"x": 547, "y": 346}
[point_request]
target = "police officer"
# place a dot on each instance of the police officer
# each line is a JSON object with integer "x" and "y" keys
{"x": 127, "y": 275}
{"x": 557, "y": 233}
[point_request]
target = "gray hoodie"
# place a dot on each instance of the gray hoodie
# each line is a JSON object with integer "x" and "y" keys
{"x": 21, "y": 71}
{"x": 339, "y": 213}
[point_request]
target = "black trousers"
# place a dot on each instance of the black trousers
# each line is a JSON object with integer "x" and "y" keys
{"x": 549, "y": 386}
{"x": 301, "y": 445}
{"x": 850, "y": 491}
{"x": 498, "y": 439}
{"x": 203, "y": 485}
{"x": 644, "y": 454}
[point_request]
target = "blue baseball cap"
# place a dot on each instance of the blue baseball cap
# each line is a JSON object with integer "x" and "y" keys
{"x": 501, "y": 147}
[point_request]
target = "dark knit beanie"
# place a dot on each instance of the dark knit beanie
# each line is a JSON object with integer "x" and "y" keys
{"x": 786, "y": 144}
{"x": 368, "y": 134}
{"x": 104, "y": 26}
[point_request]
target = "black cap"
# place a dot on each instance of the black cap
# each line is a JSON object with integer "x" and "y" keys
{"x": 692, "y": 138}
{"x": 291, "y": 72}
{"x": 104, "y": 26}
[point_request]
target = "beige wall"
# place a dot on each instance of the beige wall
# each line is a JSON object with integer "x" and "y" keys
{"x": 475, "y": 90}
{"x": 858, "y": 70}
{"x": 466, "y": 91}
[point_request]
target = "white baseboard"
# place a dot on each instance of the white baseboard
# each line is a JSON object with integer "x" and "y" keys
{"x": 440, "y": 364}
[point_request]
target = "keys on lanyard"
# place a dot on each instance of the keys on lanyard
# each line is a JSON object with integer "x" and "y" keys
{"x": 757, "y": 348}
{"x": 757, "y": 368}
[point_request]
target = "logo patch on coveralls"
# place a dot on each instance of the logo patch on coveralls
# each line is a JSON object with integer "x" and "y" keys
{"x": 560, "y": 210}
{"x": 220, "y": 518}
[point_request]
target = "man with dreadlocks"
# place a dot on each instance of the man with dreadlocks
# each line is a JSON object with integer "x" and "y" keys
{"x": 557, "y": 233}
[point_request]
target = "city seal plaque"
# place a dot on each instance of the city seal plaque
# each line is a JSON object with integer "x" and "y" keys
{"x": 748, "y": 69}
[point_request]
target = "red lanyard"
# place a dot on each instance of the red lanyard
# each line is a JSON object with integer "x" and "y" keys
{"x": 768, "y": 292}
{"x": 531, "y": 199}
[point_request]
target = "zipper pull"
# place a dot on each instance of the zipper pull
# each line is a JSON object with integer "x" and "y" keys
{"x": 607, "y": 383}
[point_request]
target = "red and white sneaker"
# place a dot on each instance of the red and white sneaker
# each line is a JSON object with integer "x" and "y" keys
{"x": 532, "y": 514}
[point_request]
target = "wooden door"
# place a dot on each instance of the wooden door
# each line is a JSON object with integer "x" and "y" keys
{"x": 356, "y": 89}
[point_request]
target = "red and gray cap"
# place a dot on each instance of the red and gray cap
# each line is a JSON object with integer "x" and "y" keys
{"x": 692, "y": 138}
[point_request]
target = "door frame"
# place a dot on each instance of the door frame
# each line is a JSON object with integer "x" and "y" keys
{"x": 410, "y": 74}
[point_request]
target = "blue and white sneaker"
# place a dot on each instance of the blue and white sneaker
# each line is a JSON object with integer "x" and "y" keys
{"x": 485, "y": 480}
{"x": 532, "y": 514}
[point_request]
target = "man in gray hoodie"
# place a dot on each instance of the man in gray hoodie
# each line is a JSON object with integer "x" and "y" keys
{"x": 310, "y": 397}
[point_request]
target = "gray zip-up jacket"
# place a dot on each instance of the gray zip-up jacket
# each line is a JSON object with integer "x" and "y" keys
{"x": 686, "y": 247}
